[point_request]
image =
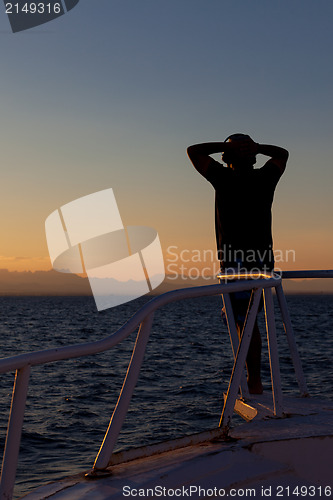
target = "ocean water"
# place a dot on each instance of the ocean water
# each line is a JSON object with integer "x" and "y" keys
{"x": 186, "y": 369}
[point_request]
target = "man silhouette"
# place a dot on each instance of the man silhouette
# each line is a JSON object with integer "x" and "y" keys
{"x": 243, "y": 218}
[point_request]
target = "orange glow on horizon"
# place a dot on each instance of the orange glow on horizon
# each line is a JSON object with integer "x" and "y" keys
{"x": 22, "y": 264}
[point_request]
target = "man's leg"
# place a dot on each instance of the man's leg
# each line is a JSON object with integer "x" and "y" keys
{"x": 253, "y": 360}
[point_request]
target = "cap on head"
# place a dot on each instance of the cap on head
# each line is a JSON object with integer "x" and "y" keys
{"x": 237, "y": 137}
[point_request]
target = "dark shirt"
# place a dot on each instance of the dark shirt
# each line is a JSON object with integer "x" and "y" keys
{"x": 243, "y": 216}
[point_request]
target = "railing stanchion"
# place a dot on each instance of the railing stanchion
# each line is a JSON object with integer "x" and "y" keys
{"x": 291, "y": 341}
{"x": 120, "y": 411}
{"x": 273, "y": 352}
{"x": 240, "y": 361}
{"x": 14, "y": 432}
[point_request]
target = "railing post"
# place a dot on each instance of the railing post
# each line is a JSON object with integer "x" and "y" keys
{"x": 273, "y": 352}
{"x": 120, "y": 411}
{"x": 14, "y": 432}
{"x": 240, "y": 361}
{"x": 291, "y": 341}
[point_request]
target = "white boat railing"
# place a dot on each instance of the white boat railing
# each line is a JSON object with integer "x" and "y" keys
{"x": 260, "y": 285}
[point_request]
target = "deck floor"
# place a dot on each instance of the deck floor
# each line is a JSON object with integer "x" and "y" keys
{"x": 262, "y": 455}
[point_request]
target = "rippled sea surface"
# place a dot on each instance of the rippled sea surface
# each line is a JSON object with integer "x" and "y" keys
{"x": 186, "y": 369}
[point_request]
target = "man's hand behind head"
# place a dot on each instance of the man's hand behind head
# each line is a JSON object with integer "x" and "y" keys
{"x": 246, "y": 148}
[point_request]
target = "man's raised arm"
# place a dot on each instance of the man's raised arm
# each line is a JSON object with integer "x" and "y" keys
{"x": 279, "y": 156}
{"x": 199, "y": 154}
{"x": 239, "y": 151}
{"x": 237, "y": 146}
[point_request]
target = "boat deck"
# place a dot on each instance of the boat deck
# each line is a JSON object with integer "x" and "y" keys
{"x": 274, "y": 455}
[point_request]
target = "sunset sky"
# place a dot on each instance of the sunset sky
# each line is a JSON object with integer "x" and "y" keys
{"x": 112, "y": 93}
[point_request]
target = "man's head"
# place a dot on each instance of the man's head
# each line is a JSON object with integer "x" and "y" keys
{"x": 241, "y": 157}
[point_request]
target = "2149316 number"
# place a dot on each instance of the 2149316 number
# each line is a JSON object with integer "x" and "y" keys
{"x": 302, "y": 491}
{"x": 33, "y": 8}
